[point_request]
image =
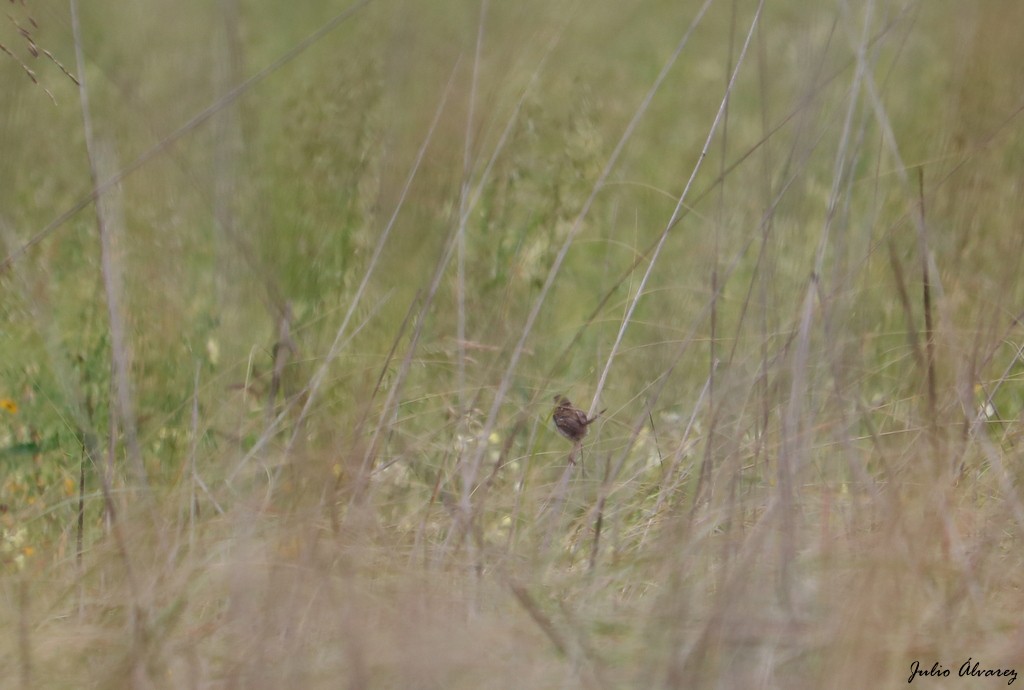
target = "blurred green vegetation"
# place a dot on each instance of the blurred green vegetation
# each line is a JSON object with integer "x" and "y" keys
{"x": 275, "y": 204}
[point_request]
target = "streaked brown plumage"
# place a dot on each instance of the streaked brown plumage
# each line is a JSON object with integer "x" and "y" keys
{"x": 572, "y": 422}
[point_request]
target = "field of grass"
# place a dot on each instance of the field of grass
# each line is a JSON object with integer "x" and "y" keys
{"x": 289, "y": 289}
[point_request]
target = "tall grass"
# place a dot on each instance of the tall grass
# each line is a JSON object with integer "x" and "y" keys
{"x": 284, "y": 319}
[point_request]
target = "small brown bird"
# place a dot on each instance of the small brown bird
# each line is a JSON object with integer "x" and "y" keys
{"x": 572, "y": 422}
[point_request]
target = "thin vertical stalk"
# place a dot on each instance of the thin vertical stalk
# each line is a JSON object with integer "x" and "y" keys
{"x": 111, "y": 270}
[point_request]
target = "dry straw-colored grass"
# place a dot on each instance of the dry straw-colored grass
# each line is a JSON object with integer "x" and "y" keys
{"x": 310, "y": 399}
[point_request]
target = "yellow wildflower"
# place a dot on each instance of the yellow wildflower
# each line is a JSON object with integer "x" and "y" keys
{"x": 9, "y": 405}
